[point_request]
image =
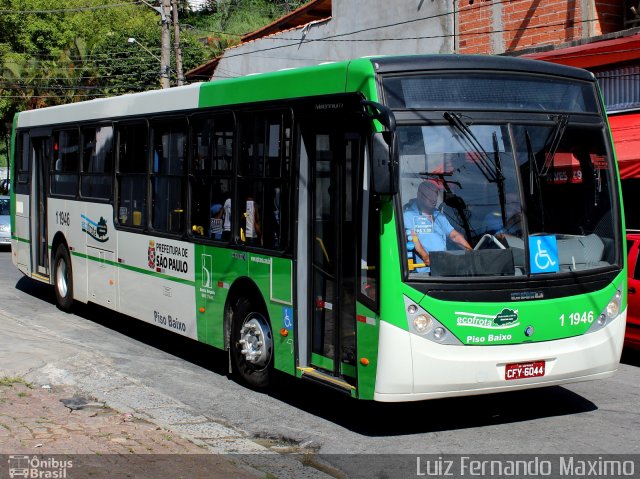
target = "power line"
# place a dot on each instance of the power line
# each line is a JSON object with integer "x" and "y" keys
{"x": 9, "y": 86}
{"x": 48, "y": 78}
{"x": 70, "y": 10}
{"x": 124, "y": 54}
{"x": 63, "y": 87}
{"x": 426, "y": 37}
{"x": 228, "y": 7}
{"x": 296, "y": 42}
{"x": 339, "y": 37}
{"x": 60, "y": 97}
{"x": 219, "y": 32}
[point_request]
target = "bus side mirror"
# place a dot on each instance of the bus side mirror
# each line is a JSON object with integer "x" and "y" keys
{"x": 384, "y": 149}
{"x": 384, "y": 163}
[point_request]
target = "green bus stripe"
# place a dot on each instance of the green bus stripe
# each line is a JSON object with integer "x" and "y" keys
{"x": 135, "y": 269}
{"x": 121, "y": 265}
{"x": 22, "y": 240}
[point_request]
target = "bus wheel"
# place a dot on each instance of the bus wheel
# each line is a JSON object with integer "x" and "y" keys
{"x": 63, "y": 278}
{"x": 251, "y": 345}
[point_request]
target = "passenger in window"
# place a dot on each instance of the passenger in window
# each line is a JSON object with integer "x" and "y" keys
{"x": 427, "y": 228}
{"x": 199, "y": 162}
{"x": 216, "y": 222}
{"x": 252, "y": 232}
{"x": 226, "y": 221}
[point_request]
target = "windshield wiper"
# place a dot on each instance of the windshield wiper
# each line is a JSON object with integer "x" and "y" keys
{"x": 491, "y": 172}
{"x": 500, "y": 176}
{"x": 534, "y": 176}
{"x": 554, "y": 141}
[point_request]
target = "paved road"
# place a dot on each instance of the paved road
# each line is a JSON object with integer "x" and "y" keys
{"x": 95, "y": 348}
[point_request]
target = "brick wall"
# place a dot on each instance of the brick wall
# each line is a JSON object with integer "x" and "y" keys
{"x": 609, "y": 14}
{"x": 529, "y": 23}
{"x": 474, "y": 25}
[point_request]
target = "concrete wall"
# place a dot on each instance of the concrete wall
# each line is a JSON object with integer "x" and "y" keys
{"x": 357, "y": 28}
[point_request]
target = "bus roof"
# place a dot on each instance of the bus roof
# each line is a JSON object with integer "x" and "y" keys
{"x": 324, "y": 79}
{"x": 391, "y": 64}
{"x": 173, "y": 99}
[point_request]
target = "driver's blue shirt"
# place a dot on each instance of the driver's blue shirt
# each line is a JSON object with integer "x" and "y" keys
{"x": 432, "y": 230}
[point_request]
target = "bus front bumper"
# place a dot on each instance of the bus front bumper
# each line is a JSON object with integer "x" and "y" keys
{"x": 411, "y": 368}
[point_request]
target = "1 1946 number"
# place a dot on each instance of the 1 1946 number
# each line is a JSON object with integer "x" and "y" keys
{"x": 586, "y": 317}
{"x": 63, "y": 218}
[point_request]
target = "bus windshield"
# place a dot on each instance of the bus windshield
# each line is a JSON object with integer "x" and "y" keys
{"x": 505, "y": 199}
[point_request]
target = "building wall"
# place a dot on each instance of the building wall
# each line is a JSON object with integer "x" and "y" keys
{"x": 357, "y": 28}
{"x": 391, "y": 27}
{"x": 494, "y": 27}
{"x": 609, "y": 14}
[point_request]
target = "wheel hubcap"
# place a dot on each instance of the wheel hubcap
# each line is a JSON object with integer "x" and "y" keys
{"x": 255, "y": 340}
{"x": 61, "y": 278}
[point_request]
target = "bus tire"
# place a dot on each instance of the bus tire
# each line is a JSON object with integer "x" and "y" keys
{"x": 251, "y": 345}
{"x": 63, "y": 278}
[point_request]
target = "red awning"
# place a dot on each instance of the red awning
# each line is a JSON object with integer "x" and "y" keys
{"x": 594, "y": 54}
{"x": 625, "y": 130}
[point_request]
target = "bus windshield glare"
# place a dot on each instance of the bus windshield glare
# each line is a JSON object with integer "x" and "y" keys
{"x": 528, "y": 198}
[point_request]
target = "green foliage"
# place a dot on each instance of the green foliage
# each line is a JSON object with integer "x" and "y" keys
{"x": 223, "y": 22}
{"x": 59, "y": 51}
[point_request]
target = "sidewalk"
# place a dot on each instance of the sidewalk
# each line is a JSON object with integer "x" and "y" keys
{"x": 143, "y": 428}
{"x": 49, "y": 421}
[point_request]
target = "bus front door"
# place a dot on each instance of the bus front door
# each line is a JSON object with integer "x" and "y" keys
{"x": 333, "y": 162}
{"x": 40, "y": 153}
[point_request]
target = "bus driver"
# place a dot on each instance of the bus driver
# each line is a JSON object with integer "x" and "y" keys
{"x": 427, "y": 228}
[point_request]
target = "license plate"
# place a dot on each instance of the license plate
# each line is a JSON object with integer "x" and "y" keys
{"x": 524, "y": 370}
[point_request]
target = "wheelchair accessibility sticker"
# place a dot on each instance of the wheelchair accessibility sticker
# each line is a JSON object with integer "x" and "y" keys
{"x": 287, "y": 318}
{"x": 543, "y": 254}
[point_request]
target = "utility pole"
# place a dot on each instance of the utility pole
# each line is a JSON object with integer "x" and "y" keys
{"x": 165, "y": 53}
{"x": 176, "y": 42}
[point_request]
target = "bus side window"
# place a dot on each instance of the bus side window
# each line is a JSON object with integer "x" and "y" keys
{"x": 22, "y": 174}
{"x": 66, "y": 159}
{"x": 132, "y": 174}
{"x": 167, "y": 175}
{"x": 211, "y": 173}
{"x": 97, "y": 162}
{"x": 264, "y": 179}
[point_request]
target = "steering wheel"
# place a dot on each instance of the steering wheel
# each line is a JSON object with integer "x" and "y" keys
{"x": 488, "y": 238}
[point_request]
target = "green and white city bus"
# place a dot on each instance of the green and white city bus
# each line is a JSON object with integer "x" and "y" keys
{"x": 276, "y": 216}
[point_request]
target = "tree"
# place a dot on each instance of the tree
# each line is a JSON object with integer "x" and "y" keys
{"x": 79, "y": 77}
{"x": 223, "y": 22}
{"x": 56, "y": 51}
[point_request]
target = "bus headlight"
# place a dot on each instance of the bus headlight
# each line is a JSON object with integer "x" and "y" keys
{"x": 423, "y": 324}
{"x": 610, "y": 312}
{"x": 613, "y": 308}
{"x": 439, "y": 333}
